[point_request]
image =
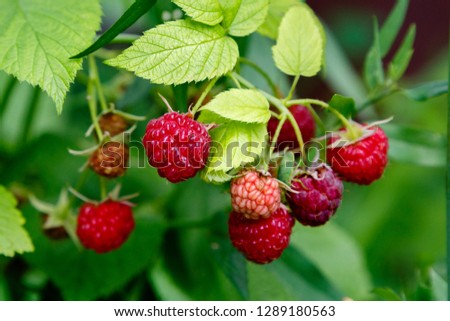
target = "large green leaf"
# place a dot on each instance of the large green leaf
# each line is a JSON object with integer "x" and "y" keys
{"x": 300, "y": 43}
{"x": 427, "y": 90}
{"x": 38, "y": 38}
{"x": 230, "y": 9}
{"x": 180, "y": 51}
{"x": 250, "y": 15}
{"x": 277, "y": 10}
{"x": 86, "y": 275}
{"x": 208, "y": 12}
{"x": 347, "y": 271}
{"x": 13, "y": 237}
{"x": 244, "y": 105}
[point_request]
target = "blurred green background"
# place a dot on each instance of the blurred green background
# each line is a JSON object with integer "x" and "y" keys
{"x": 387, "y": 241}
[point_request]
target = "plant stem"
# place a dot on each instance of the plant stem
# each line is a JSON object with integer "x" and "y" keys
{"x": 92, "y": 102}
{"x": 293, "y": 86}
{"x": 325, "y": 105}
{"x": 383, "y": 94}
{"x": 277, "y": 134}
{"x": 262, "y": 73}
{"x": 280, "y": 106}
{"x": 203, "y": 95}
{"x": 103, "y": 191}
{"x": 7, "y": 94}
{"x": 94, "y": 77}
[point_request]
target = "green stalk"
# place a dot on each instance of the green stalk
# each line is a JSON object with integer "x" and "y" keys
{"x": 92, "y": 102}
{"x": 7, "y": 94}
{"x": 32, "y": 107}
{"x": 103, "y": 190}
{"x": 277, "y": 103}
{"x": 293, "y": 87}
{"x": 276, "y": 135}
{"x": 262, "y": 73}
{"x": 203, "y": 95}
{"x": 94, "y": 77}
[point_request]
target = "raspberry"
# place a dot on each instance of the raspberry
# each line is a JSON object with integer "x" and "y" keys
{"x": 317, "y": 196}
{"x": 112, "y": 123}
{"x": 110, "y": 160}
{"x": 105, "y": 227}
{"x": 263, "y": 240}
{"x": 255, "y": 195}
{"x": 177, "y": 146}
{"x": 287, "y": 137}
{"x": 360, "y": 162}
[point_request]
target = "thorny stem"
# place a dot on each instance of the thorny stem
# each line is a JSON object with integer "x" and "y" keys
{"x": 94, "y": 77}
{"x": 262, "y": 73}
{"x": 345, "y": 121}
{"x": 203, "y": 95}
{"x": 280, "y": 106}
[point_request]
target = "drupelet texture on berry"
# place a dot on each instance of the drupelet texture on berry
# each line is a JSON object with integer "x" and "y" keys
{"x": 316, "y": 197}
{"x": 177, "y": 145}
{"x": 287, "y": 137}
{"x": 105, "y": 227}
{"x": 362, "y": 161}
{"x": 263, "y": 240}
{"x": 110, "y": 160}
{"x": 255, "y": 195}
{"x": 112, "y": 123}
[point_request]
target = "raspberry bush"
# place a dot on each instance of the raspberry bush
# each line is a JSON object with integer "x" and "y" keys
{"x": 221, "y": 150}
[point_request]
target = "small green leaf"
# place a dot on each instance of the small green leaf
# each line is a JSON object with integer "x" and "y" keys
{"x": 427, "y": 90}
{"x": 215, "y": 176}
{"x": 37, "y": 40}
{"x": 300, "y": 45}
{"x": 13, "y": 237}
{"x": 244, "y": 105}
{"x": 401, "y": 60}
{"x": 391, "y": 26}
{"x": 250, "y": 15}
{"x": 205, "y": 11}
{"x": 277, "y": 9}
{"x": 287, "y": 167}
{"x": 415, "y": 146}
{"x": 234, "y": 144}
{"x": 230, "y": 9}
{"x": 345, "y": 105}
{"x": 178, "y": 52}
{"x": 373, "y": 65}
{"x": 133, "y": 13}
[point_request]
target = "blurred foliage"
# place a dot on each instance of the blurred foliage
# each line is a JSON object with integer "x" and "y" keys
{"x": 386, "y": 242}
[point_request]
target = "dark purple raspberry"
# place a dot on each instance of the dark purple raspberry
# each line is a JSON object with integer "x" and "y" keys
{"x": 317, "y": 196}
{"x": 287, "y": 137}
{"x": 263, "y": 240}
{"x": 177, "y": 145}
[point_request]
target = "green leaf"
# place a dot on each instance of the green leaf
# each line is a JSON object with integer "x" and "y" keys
{"x": 250, "y": 15}
{"x": 210, "y": 175}
{"x": 347, "y": 271}
{"x": 38, "y": 39}
{"x": 13, "y": 237}
{"x": 244, "y": 105}
{"x": 400, "y": 62}
{"x": 415, "y": 146}
{"x": 277, "y": 9}
{"x": 427, "y": 90}
{"x": 391, "y": 26}
{"x": 234, "y": 144}
{"x": 87, "y": 275}
{"x": 287, "y": 167}
{"x": 387, "y": 294}
{"x": 205, "y": 11}
{"x": 178, "y": 52}
{"x": 345, "y": 105}
{"x": 300, "y": 45}
{"x": 133, "y": 13}
{"x": 373, "y": 65}
{"x": 230, "y": 9}
{"x": 439, "y": 287}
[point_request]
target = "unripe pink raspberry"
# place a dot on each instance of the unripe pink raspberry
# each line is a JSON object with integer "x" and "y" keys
{"x": 255, "y": 195}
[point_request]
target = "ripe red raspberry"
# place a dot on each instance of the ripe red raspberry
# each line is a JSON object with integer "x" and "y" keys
{"x": 105, "y": 227}
{"x": 255, "y": 195}
{"x": 263, "y": 240}
{"x": 317, "y": 196}
{"x": 113, "y": 123}
{"x": 110, "y": 160}
{"x": 287, "y": 138}
{"x": 177, "y": 146}
{"x": 362, "y": 161}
